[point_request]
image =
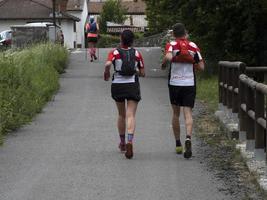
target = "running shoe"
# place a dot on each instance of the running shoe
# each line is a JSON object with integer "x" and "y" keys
{"x": 179, "y": 149}
{"x": 129, "y": 151}
{"x": 122, "y": 147}
{"x": 188, "y": 148}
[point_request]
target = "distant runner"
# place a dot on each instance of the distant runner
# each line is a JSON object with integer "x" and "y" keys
{"x": 185, "y": 58}
{"x": 125, "y": 89}
{"x": 92, "y": 29}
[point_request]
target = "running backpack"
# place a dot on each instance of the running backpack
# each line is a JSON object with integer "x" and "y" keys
{"x": 91, "y": 28}
{"x": 128, "y": 62}
{"x": 184, "y": 55}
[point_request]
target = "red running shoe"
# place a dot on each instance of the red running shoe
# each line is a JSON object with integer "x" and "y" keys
{"x": 122, "y": 147}
{"x": 129, "y": 151}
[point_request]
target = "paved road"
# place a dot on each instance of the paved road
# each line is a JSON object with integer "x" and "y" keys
{"x": 70, "y": 150}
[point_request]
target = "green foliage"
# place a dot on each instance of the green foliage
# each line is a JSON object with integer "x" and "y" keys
{"x": 161, "y": 15}
{"x": 138, "y": 35}
{"x": 28, "y": 79}
{"x": 107, "y": 40}
{"x": 112, "y": 11}
{"x": 207, "y": 90}
{"x": 224, "y": 29}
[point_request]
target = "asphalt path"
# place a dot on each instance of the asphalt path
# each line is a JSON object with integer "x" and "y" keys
{"x": 70, "y": 150}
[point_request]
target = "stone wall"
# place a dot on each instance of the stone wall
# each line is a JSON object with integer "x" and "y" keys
{"x": 157, "y": 40}
{"x": 151, "y": 41}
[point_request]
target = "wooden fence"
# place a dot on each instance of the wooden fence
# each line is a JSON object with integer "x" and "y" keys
{"x": 242, "y": 90}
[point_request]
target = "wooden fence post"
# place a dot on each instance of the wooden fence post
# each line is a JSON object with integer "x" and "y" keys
{"x": 260, "y": 110}
{"x": 242, "y": 104}
{"x": 220, "y": 82}
{"x": 235, "y": 91}
{"x": 229, "y": 86}
{"x": 224, "y": 92}
{"x": 250, "y": 102}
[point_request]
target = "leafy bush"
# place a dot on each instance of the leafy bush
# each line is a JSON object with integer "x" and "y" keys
{"x": 224, "y": 30}
{"x": 112, "y": 11}
{"x": 107, "y": 40}
{"x": 138, "y": 35}
{"x": 28, "y": 79}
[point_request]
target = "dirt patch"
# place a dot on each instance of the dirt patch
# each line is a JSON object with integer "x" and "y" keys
{"x": 222, "y": 158}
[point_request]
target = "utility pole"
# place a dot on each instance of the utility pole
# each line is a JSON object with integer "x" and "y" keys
{"x": 54, "y": 17}
{"x": 54, "y": 12}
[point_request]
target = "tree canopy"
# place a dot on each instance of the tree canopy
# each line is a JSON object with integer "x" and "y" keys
{"x": 112, "y": 11}
{"x": 224, "y": 29}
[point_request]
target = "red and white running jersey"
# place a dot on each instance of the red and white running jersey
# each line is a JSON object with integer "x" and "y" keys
{"x": 115, "y": 57}
{"x": 182, "y": 73}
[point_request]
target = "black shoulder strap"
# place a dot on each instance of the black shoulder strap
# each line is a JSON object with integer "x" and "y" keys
{"x": 131, "y": 51}
{"x": 113, "y": 62}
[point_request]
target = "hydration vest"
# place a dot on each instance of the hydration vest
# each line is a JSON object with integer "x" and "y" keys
{"x": 128, "y": 62}
{"x": 183, "y": 55}
{"x": 92, "y": 28}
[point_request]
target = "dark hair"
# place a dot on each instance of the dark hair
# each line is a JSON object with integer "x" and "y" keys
{"x": 127, "y": 37}
{"x": 179, "y": 30}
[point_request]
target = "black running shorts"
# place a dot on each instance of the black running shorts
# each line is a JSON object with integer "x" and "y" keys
{"x": 182, "y": 95}
{"x": 92, "y": 39}
{"x": 125, "y": 91}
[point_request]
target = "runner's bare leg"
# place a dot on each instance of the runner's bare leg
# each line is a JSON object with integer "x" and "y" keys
{"x": 121, "y": 122}
{"x": 188, "y": 120}
{"x": 176, "y": 121}
{"x": 130, "y": 115}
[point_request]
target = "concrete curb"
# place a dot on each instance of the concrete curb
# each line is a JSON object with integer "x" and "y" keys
{"x": 255, "y": 158}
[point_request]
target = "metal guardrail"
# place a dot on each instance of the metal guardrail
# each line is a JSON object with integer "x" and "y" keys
{"x": 241, "y": 89}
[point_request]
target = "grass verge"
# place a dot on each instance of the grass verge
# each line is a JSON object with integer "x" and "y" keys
{"x": 219, "y": 151}
{"x": 28, "y": 79}
{"x": 207, "y": 91}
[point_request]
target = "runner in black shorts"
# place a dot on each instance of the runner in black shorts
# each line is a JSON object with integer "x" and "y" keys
{"x": 182, "y": 95}
{"x": 125, "y": 88}
{"x": 92, "y": 29}
{"x": 185, "y": 57}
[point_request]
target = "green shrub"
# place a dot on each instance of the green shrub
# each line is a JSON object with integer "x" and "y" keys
{"x": 107, "y": 40}
{"x": 28, "y": 79}
{"x": 138, "y": 35}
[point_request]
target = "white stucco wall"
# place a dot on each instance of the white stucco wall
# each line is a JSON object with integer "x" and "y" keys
{"x": 138, "y": 20}
{"x": 82, "y": 15}
{"x": 69, "y": 35}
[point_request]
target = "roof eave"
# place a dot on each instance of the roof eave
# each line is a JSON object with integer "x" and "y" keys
{"x": 75, "y": 9}
{"x": 40, "y": 18}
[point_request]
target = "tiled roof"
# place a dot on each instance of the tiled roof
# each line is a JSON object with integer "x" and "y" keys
{"x": 138, "y": 7}
{"x": 75, "y": 5}
{"x": 29, "y": 9}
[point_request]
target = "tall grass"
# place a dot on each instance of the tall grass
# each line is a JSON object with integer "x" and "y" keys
{"x": 28, "y": 79}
